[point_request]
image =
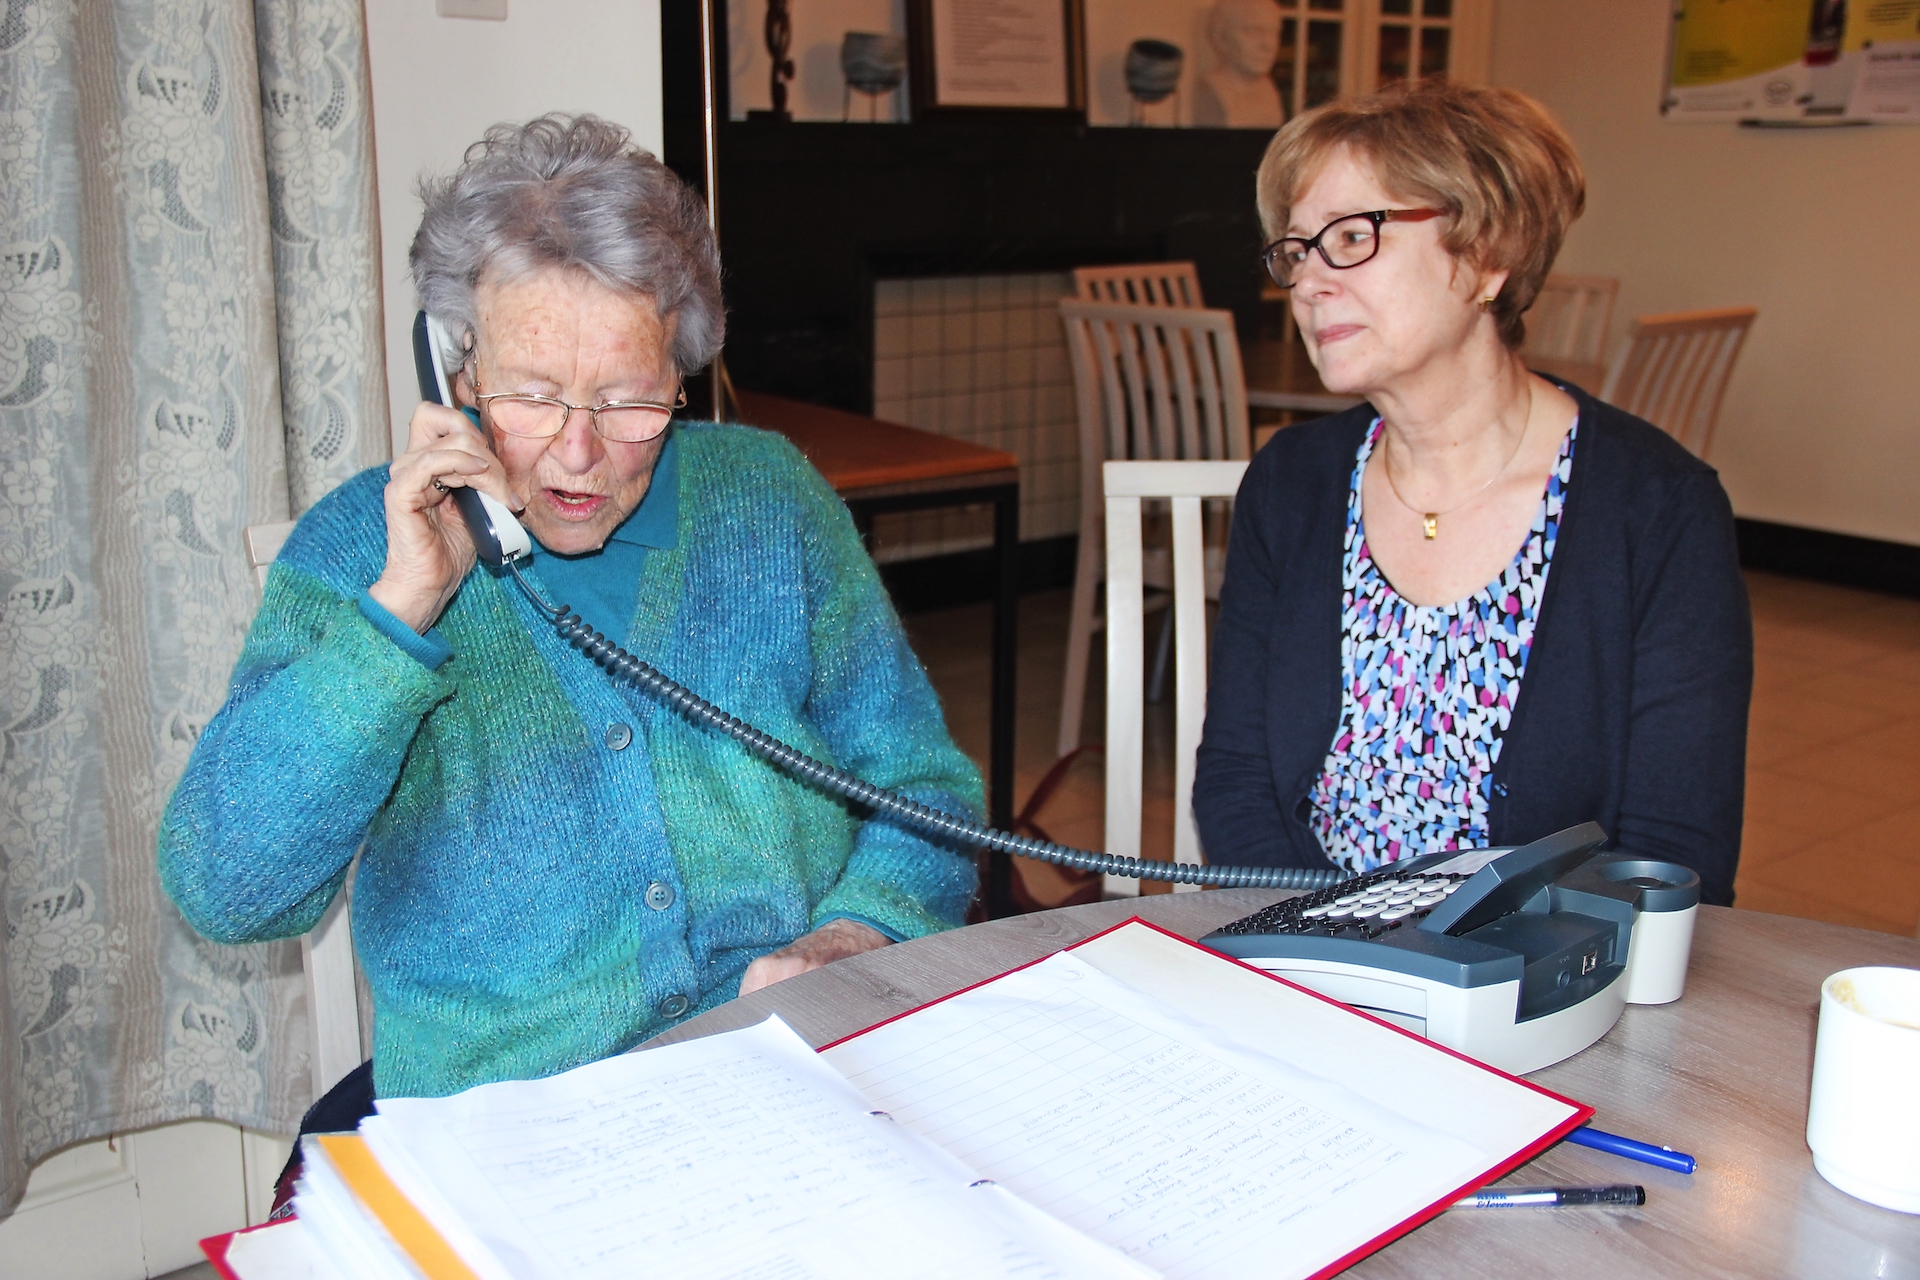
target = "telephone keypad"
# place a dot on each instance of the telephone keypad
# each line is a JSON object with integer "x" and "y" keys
{"x": 1366, "y": 907}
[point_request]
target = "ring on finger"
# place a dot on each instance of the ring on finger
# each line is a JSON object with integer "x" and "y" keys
{"x": 440, "y": 485}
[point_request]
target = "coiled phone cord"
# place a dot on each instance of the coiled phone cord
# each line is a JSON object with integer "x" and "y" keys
{"x": 627, "y": 669}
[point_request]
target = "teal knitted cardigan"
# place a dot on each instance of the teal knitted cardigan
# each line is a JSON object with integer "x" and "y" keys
{"x": 535, "y": 890}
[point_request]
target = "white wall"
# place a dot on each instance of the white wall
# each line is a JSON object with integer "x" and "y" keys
{"x": 439, "y": 82}
{"x": 138, "y": 1204}
{"x": 1821, "y": 425}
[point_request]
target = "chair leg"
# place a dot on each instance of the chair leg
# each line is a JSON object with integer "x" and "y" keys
{"x": 1157, "y": 686}
{"x": 1080, "y": 628}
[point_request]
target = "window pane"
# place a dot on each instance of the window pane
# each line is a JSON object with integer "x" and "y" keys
{"x": 1433, "y": 53}
{"x": 1323, "y": 62}
{"x": 1326, "y": 6}
{"x": 1396, "y": 53}
{"x": 1436, "y": 8}
{"x": 1284, "y": 64}
{"x": 1397, "y": 8}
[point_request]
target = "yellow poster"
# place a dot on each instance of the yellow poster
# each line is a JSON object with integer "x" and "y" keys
{"x": 1872, "y": 22}
{"x": 1718, "y": 41}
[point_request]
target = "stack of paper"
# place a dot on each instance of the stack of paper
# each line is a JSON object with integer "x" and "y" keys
{"x": 1134, "y": 1106}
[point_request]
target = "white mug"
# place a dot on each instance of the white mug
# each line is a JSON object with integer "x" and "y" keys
{"x": 1863, "y": 1121}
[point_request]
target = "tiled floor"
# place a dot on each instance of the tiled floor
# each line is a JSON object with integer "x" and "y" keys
{"x": 1833, "y": 757}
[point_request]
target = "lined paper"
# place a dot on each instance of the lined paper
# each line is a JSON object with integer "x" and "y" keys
{"x": 1159, "y": 1134}
{"x": 737, "y": 1155}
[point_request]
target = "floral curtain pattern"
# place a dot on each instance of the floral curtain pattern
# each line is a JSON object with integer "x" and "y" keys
{"x": 189, "y": 344}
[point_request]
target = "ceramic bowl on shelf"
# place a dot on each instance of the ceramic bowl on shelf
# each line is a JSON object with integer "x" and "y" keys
{"x": 1153, "y": 70}
{"x": 873, "y": 63}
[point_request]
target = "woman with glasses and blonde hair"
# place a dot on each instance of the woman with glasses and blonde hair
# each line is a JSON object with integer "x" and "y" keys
{"x": 1482, "y": 606}
{"x": 553, "y": 868}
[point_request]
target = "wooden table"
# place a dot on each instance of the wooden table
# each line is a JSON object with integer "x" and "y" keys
{"x": 1722, "y": 1074}
{"x": 878, "y": 467}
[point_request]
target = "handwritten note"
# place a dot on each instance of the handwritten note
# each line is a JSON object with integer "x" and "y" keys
{"x": 739, "y": 1155}
{"x": 1136, "y": 1106}
{"x": 1149, "y": 1132}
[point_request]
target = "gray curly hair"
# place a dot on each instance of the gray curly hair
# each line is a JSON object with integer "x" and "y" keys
{"x": 570, "y": 192}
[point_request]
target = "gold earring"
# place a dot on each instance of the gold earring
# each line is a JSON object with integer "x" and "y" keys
{"x": 1486, "y": 304}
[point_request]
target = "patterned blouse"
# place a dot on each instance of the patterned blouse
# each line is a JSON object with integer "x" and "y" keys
{"x": 1427, "y": 692}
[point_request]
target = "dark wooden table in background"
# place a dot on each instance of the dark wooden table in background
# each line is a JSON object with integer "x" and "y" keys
{"x": 879, "y": 467}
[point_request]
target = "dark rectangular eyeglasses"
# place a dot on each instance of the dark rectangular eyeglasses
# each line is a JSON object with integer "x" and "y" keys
{"x": 1342, "y": 244}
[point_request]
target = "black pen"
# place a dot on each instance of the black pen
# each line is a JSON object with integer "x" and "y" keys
{"x": 1551, "y": 1197}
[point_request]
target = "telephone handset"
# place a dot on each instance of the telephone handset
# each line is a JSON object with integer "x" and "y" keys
{"x": 497, "y": 536}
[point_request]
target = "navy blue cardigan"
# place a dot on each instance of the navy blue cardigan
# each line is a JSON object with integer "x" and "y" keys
{"x": 1633, "y": 709}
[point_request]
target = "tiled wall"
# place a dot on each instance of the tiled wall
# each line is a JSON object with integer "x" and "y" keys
{"x": 982, "y": 358}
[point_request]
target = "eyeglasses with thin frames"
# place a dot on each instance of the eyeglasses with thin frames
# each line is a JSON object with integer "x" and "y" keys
{"x": 1342, "y": 244}
{"x": 537, "y": 417}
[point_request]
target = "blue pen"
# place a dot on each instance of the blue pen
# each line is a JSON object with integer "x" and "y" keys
{"x": 1664, "y": 1157}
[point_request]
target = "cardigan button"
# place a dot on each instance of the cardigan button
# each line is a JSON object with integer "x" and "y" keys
{"x": 618, "y": 736}
{"x": 659, "y": 895}
{"x": 675, "y": 1005}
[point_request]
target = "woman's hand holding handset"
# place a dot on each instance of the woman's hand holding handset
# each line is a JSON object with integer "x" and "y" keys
{"x": 429, "y": 550}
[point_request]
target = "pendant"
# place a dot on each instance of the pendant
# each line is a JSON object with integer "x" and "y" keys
{"x": 1432, "y": 523}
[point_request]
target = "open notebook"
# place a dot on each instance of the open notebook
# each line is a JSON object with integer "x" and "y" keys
{"x": 1135, "y": 1105}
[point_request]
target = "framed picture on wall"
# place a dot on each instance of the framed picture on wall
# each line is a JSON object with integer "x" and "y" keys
{"x": 977, "y": 56}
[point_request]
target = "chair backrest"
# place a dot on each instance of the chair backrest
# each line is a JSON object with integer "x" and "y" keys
{"x": 326, "y": 951}
{"x": 1144, "y": 284}
{"x": 1569, "y": 320}
{"x": 1673, "y": 370}
{"x": 1155, "y": 383}
{"x": 1186, "y": 485}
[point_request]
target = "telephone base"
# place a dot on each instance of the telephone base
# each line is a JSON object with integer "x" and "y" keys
{"x": 1518, "y": 958}
{"x": 1476, "y": 1021}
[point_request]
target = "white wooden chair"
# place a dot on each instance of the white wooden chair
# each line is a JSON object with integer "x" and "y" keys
{"x": 1673, "y": 370}
{"x": 1128, "y": 485}
{"x": 1567, "y": 328}
{"x": 326, "y": 951}
{"x": 1140, "y": 284}
{"x": 1150, "y": 383}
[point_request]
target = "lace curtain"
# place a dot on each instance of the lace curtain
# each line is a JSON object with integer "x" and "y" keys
{"x": 189, "y": 344}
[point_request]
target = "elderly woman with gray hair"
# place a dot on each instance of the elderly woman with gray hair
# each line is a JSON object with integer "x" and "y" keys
{"x": 553, "y": 868}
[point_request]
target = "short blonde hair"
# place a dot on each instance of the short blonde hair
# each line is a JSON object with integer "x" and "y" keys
{"x": 1500, "y": 166}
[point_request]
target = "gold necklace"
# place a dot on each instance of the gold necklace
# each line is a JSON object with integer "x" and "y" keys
{"x": 1430, "y": 520}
